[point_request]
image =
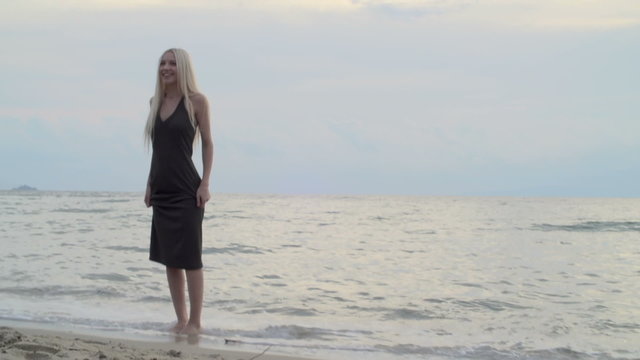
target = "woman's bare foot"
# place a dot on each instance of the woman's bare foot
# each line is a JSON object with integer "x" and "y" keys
{"x": 191, "y": 329}
{"x": 178, "y": 327}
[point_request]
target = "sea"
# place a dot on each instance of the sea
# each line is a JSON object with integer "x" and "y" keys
{"x": 341, "y": 277}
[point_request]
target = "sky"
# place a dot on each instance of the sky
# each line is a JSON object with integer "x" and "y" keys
{"x": 431, "y": 97}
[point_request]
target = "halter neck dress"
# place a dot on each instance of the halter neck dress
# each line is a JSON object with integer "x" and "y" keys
{"x": 176, "y": 225}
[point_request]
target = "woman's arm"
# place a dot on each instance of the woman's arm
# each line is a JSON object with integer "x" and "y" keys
{"x": 201, "y": 107}
{"x": 147, "y": 193}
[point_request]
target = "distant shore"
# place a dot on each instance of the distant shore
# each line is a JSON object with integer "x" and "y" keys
{"x": 24, "y": 188}
{"x": 18, "y": 343}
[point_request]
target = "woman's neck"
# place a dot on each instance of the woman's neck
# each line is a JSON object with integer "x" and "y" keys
{"x": 172, "y": 92}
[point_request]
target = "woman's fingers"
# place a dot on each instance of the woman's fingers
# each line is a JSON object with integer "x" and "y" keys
{"x": 202, "y": 196}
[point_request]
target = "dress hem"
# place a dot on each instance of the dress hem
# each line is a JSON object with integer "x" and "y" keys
{"x": 176, "y": 266}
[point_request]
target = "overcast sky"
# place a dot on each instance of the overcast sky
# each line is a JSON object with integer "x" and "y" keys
{"x": 431, "y": 97}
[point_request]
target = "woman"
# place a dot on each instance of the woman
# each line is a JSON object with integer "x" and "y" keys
{"x": 175, "y": 190}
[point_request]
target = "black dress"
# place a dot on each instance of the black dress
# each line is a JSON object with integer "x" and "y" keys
{"x": 176, "y": 226}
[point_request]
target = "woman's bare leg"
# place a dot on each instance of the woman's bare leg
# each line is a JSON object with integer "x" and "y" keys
{"x": 175, "y": 277}
{"x": 195, "y": 283}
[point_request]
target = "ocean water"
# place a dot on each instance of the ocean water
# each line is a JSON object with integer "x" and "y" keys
{"x": 342, "y": 277}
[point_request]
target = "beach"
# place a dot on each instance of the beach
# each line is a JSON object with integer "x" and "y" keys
{"x": 19, "y": 343}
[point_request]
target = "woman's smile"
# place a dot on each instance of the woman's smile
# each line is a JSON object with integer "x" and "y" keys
{"x": 168, "y": 68}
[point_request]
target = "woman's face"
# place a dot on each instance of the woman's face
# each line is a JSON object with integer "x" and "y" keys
{"x": 168, "y": 71}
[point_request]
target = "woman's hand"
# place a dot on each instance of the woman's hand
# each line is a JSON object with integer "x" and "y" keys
{"x": 202, "y": 195}
{"x": 147, "y": 196}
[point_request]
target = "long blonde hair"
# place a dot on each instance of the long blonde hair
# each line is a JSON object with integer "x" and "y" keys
{"x": 186, "y": 84}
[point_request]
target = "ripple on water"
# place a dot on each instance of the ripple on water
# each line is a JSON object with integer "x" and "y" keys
{"x": 591, "y": 226}
{"x": 277, "y": 284}
{"x": 137, "y": 269}
{"x": 420, "y": 232}
{"x": 617, "y": 326}
{"x": 82, "y": 211}
{"x": 298, "y": 332}
{"x": 486, "y": 352}
{"x": 116, "y": 200}
{"x": 487, "y": 304}
{"x": 154, "y": 299}
{"x": 235, "y": 249}
{"x": 473, "y": 285}
{"x": 285, "y": 310}
{"x": 108, "y": 277}
{"x": 435, "y": 301}
{"x": 127, "y": 248}
{"x": 397, "y": 313}
{"x": 411, "y": 314}
{"x": 49, "y": 291}
{"x": 268, "y": 277}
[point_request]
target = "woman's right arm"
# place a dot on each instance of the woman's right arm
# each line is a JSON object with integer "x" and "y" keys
{"x": 147, "y": 196}
{"x": 147, "y": 193}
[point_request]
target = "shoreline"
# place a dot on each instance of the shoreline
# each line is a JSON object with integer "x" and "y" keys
{"x": 19, "y": 342}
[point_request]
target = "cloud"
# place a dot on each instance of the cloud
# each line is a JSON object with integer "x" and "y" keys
{"x": 552, "y": 15}
{"x": 533, "y": 14}
{"x": 588, "y": 23}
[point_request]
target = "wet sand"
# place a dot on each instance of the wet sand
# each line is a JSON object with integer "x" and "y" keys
{"x": 36, "y": 344}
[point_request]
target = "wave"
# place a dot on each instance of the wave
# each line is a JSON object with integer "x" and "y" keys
{"x": 487, "y": 304}
{"x": 108, "y": 277}
{"x": 235, "y": 249}
{"x": 94, "y": 324}
{"x": 82, "y": 211}
{"x": 330, "y": 341}
{"x": 491, "y": 353}
{"x": 285, "y": 310}
{"x": 591, "y": 226}
{"x": 80, "y": 292}
{"x": 127, "y": 248}
{"x": 116, "y": 200}
{"x": 282, "y": 333}
{"x": 437, "y": 312}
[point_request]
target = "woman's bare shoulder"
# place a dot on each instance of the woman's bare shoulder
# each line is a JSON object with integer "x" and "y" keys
{"x": 198, "y": 99}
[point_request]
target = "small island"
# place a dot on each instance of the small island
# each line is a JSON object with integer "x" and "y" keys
{"x": 24, "y": 188}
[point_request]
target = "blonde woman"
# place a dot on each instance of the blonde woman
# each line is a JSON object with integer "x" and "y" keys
{"x": 175, "y": 190}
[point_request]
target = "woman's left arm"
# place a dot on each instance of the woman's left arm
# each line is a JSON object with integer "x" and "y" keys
{"x": 201, "y": 107}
